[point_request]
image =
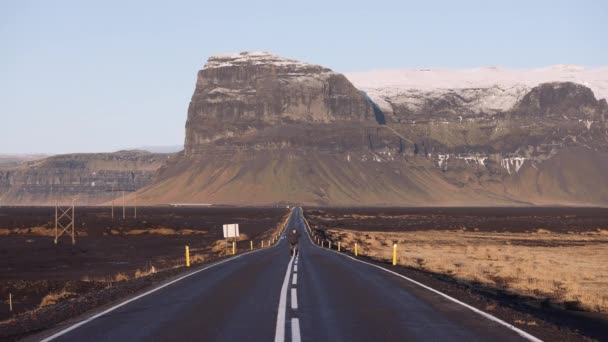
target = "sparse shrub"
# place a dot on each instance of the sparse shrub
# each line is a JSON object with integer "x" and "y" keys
{"x": 198, "y": 258}
{"x": 146, "y": 272}
{"x": 121, "y": 277}
{"x": 56, "y": 297}
{"x": 420, "y": 262}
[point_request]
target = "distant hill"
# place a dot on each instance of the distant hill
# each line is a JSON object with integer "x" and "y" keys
{"x": 88, "y": 178}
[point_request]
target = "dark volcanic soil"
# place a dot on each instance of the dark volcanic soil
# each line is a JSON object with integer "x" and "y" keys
{"x": 487, "y": 219}
{"x": 31, "y": 266}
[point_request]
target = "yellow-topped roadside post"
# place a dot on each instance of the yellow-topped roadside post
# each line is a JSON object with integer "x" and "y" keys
{"x": 233, "y": 248}
{"x": 394, "y": 254}
{"x": 338, "y": 246}
{"x": 187, "y": 256}
{"x": 356, "y": 249}
{"x": 251, "y": 244}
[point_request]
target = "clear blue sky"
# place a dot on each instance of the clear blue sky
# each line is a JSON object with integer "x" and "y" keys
{"x": 83, "y": 76}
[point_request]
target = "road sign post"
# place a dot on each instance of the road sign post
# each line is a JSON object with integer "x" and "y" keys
{"x": 231, "y": 231}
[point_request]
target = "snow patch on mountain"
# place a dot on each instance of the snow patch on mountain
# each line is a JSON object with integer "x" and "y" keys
{"x": 487, "y": 90}
{"x": 512, "y": 164}
{"x": 253, "y": 58}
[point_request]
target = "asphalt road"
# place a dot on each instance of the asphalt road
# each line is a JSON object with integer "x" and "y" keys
{"x": 267, "y": 295}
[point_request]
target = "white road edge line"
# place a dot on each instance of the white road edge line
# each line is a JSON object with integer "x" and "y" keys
{"x": 294, "y": 281}
{"x": 279, "y": 333}
{"x": 295, "y": 330}
{"x": 294, "y": 299}
{"x": 81, "y": 323}
{"x": 522, "y": 333}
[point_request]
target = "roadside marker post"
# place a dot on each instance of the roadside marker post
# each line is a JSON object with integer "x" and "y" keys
{"x": 251, "y": 244}
{"x": 338, "y": 246}
{"x": 322, "y": 243}
{"x": 233, "y": 248}
{"x": 187, "y": 256}
{"x": 394, "y": 254}
{"x": 356, "y": 249}
{"x": 329, "y": 244}
{"x": 10, "y": 302}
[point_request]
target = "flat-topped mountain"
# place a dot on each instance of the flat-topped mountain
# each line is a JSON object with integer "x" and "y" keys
{"x": 263, "y": 129}
{"x": 241, "y": 95}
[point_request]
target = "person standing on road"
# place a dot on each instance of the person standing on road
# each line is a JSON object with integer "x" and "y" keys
{"x": 293, "y": 242}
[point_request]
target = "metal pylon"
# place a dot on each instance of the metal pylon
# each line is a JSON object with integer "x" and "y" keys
{"x": 64, "y": 222}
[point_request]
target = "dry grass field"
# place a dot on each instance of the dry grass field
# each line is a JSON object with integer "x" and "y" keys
{"x": 567, "y": 268}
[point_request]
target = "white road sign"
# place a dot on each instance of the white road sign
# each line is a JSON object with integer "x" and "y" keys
{"x": 231, "y": 230}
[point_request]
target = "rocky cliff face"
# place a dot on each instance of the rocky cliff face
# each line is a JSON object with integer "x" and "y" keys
{"x": 86, "y": 178}
{"x": 262, "y": 129}
{"x": 248, "y": 95}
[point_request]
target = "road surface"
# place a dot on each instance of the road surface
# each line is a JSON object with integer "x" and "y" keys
{"x": 267, "y": 295}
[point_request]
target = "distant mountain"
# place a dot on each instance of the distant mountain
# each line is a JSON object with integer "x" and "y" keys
{"x": 263, "y": 129}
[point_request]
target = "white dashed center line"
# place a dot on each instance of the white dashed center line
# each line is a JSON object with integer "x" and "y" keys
{"x": 279, "y": 335}
{"x": 295, "y": 330}
{"x": 294, "y": 299}
{"x": 294, "y": 281}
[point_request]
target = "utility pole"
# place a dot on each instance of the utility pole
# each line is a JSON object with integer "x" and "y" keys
{"x": 124, "y": 210}
{"x": 135, "y": 214}
{"x": 112, "y": 202}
